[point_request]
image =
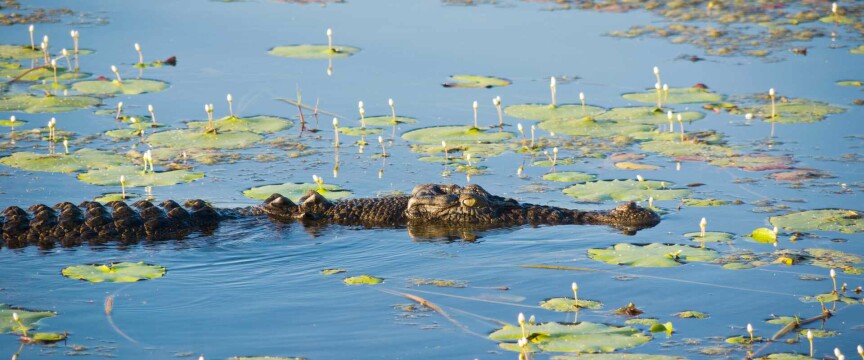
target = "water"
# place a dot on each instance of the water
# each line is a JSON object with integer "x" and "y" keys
{"x": 254, "y": 287}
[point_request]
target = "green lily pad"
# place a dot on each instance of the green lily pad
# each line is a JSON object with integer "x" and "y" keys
{"x": 687, "y": 150}
{"x": 710, "y": 236}
{"x": 757, "y": 162}
{"x": 743, "y": 340}
{"x": 135, "y": 177}
{"x": 564, "y": 304}
{"x": 625, "y": 190}
{"x": 676, "y": 96}
{"x": 362, "y": 280}
{"x": 313, "y": 51}
{"x": 584, "y": 337}
{"x": 332, "y": 271}
{"x": 858, "y": 50}
{"x": 786, "y": 356}
{"x": 819, "y": 333}
{"x": 257, "y": 124}
{"x": 9, "y": 123}
{"x": 45, "y": 104}
{"x": 853, "y": 83}
{"x": 737, "y": 266}
{"x": 455, "y": 134}
{"x": 667, "y": 328}
{"x": 128, "y": 87}
{"x": 839, "y": 19}
{"x": 124, "y": 133}
{"x": 44, "y": 338}
{"x": 295, "y": 191}
{"x": 617, "y": 356}
{"x": 79, "y": 160}
{"x": 388, "y": 120}
{"x": 690, "y": 314}
{"x": 587, "y": 126}
{"x": 703, "y": 202}
{"x": 359, "y": 131}
{"x": 41, "y": 74}
{"x": 764, "y": 235}
{"x": 642, "y": 321}
{"x": 544, "y": 112}
{"x": 19, "y": 52}
{"x": 116, "y": 272}
{"x": 569, "y": 176}
{"x": 795, "y": 111}
{"x": 845, "y": 221}
{"x": 782, "y": 320}
{"x": 829, "y": 297}
{"x": 651, "y": 255}
{"x": 475, "y": 81}
{"x": 198, "y": 139}
{"x": 106, "y": 198}
{"x": 439, "y": 283}
{"x": 28, "y": 318}
{"x": 626, "y": 165}
{"x": 831, "y": 259}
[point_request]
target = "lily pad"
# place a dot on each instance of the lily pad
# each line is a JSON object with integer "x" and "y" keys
{"x": 135, "y": 177}
{"x": 564, "y": 304}
{"x": 756, "y": 162}
{"x": 690, "y": 314}
{"x": 667, "y": 328}
{"x": 332, "y": 271}
{"x": 295, "y": 191}
{"x": 46, "y": 104}
{"x": 569, "y": 176}
{"x": 313, "y": 51}
{"x": 626, "y": 165}
{"x": 584, "y": 337}
{"x": 617, "y": 356}
{"x": 703, "y": 202}
{"x": 642, "y": 321}
{"x": 676, "y": 96}
{"x": 79, "y": 160}
{"x": 819, "y": 333}
{"x": 116, "y": 272}
{"x": 128, "y": 87}
{"x": 764, "y": 235}
{"x": 19, "y": 52}
{"x": 786, "y": 356}
{"x": 782, "y": 320}
{"x": 838, "y": 19}
{"x": 439, "y": 283}
{"x": 829, "y": 297}
{"x": 587, "y": 126}
{"x": 359, "y": 131}
{"x": 9, "y": 123}
{"x": 45, "y": 74}
{"x": 687, "y": 150}
{"x": 389, "y": 120}
{"x": 853, "y": 83}
{"x": 795, "y": 111}
{"x": 651, "y": 255}
{"x": 198, "y": 139}
{"x": 800, "y": 175}
{"x": 257, "y": 124}
{"x": 362, "y": 280}
{"x": 44, "y": 338}
{"x": 28, "y": 318}
{"x": 455, "y": 134}
{"x": 710, "y": 236}
{"x": 858, "y": 50}
{"x": 743, "y": 340}
{"x": 545, "y": 112}
{"x": 106, "y": 198}
{"x": 625, "y": 190}
{"x": 475, "y": 81}
{"x": 845, "y": 221}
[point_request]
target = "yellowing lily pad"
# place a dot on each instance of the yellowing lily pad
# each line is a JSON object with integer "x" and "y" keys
{"x": 651, "y": 255}
{"x": 79, "y": 160}
{"x": 9, "y": 123}
{"x": 128, "y": 87}
{"x": 136, "y": 177}
{"x": 853, "y": 83}
{"x": 257, "y": 124}
{"x": 45, "y": 104}
{"x": 198, "y": 139}
{"x": 294, "y": 191}
{"x": 703, "y": 202}
{"x": 756, "y": 162}
{"x": 568, "y": 176}
{"x": 28, "y": 318}
{"x": 44, "y": 338}
{"x": 389, "y": 120}
{"x": 332, "y": 271}
{"x": 625, "y": 190}
{"x": 764, "y": 235}
{"x": 362, "y": 280}
{"x": 455, "y": 134}
{"x": 690, "y": 314}
{"x": 19, "y": 52}
{"x": 584, "y": 337}
{"x": 858, "y": 50}
{"x": 564, "y": 304}
{"x": 647, "y": 115}
{"x": 116, "y": 272}
{"x": 313, "y": 51}
{"x": 845, "y": 221}
{"x": 475, "y": 81}
{"x": 676, "y": 96}
{"x": 544, "y": 112}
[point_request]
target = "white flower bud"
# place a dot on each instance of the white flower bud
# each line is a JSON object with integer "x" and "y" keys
{"x": 380, "y": 140}
{"x": 335, "y": 122}
{"x": 15, "y": 314}
{"x": 229, "y": 98}
{"x": 809, "y": 335}
{"x": 574, "y": 286}
{"x": 669, "y": 115}
{"x": 137, "y": 47}
{"x": 12, "y": 119}
{"x": 113, "y": 68}
{"x": 665, "y": 87}
{"x": 390, "y": 101}
{"x": 833, "y": 273}
{"x": 703, "y": 222}
{"x": 329, "y": 32}
{"x": 656, "y": 71}
{"x": 150, "y": 108}
{"x": 521, "y": 318}
{"x": 582, "y": 96}
{"x": 474, "y": 105}
{"x": 54, "y": 62}
{"x": 552, "y": 82}
{"x": 640, "y": 178}
{"x": 32, "y": 28}
{"x": 771, "y": 92}
{"x": 748, "y": 116}
{"x": 657, "y": 86}
{"x": 64, "y": 52}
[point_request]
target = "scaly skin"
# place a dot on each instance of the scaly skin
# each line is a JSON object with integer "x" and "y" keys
{"x": 431, "y": 211}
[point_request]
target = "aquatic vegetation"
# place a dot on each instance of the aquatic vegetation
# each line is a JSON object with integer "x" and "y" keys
{"x": 114, "y": 272}
{"x": 455, "y": 134}
{"x": 362, "y": 280}
{"x": 583, "y": 337}
{"x": 438, "y": 282}
{"x": 79, "y": 160}
{"x": 691, "y": 314}
{"x": 764, "y": 235}
{"x": 651, "y": 255}
{"x": 135, "y": 177}
{"x": 475, "y": 81}
{"x": 126, "y": 87}
{"x": 294, "y": 191}
{"x": 54, "y": 73}
{"x": 569, "y": 176}
{"x": 687, "y": 95}
{"x": 568, "y": 305}
{"x": 332, "y": 271}
{"x": 754, "y": 162}
{"x": 328, "y": 51}
{"x": 845, "y": 221}
{"x": 26, "y": 319}
{"x": 45, "y": 104}
{"x": 544, "y": 112}
{"x": 625, "y": 190}
{"x": 791, "y": 110}
{"x": 196, "y": 139}
{"x": 710, "y": 236}
{"x": 260, "y": 124}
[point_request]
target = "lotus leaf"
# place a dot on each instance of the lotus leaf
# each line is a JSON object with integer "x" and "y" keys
{"x": 564, "y": 304}
{"x": 116, "y": 272}
{"x": 46, "y": 74}
{"x": 782, "y": 320}
{"x": 455, "y": 134}
{"x": 757, "y": 162}
{"x": 387, "y": 120}
{"x": 646, "y": 115}
{"x": 795, "y": 111}
{"x": 690, "y": 314}
{"x": 626, "y": 165}
{"x": 584, "y": 337}
{"x": 362, "y": 280}
{"x": 332, "y": 271}
{"x": 625, "y": 190}
{"x": 28, "y": 318}
{"x": 45, "y": 104}
{"x": 544, "y": 112}
{"x": 687, "y": 150}
{"x": 676, "y": 96}
{"x": 128, "y": 87}
{"x": 358, "y": 131}
{"x": 80, "y": 160}
{"x": 257, "y": 124}
{"x": 819, "y": 333}
{"x": 295, "y": 191}
{"x": 313, "y": 51}
{"x": 855, "y": 83}
{"x": 845, "y": 221}
{"x": 710, "y": 236}
{"x": 764, "y": 235}
{"x": 197, "y": 139}
{"x": 475, "y": 81}
{"x": 617, "y": 356}
{"x": 651, "y": 255}
{"x": 19, "y": 52}
{"x": 786, "y": 356}
{"x": 858, "y": 50}
{"x": 568, "y": 176}
{"x": 44, "y": 338}
{"x": 587, "y": 126}
{"x": 136, "y": 177}
{"x": 703, "y": 202}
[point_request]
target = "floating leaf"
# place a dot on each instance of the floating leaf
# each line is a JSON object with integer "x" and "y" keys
{"x": 651, "y": 255}
{"x": 794, "y": 111}
{"x": 676, "y": 96}
{"x": 198, "y": 139}
{"x": 257, "y": 124}
{"x": 782, "y": 320}
{"x": 80, "y": 160}
{"x": 475, "y": 81}
{"x": 128, "y": 87}
{"x": 564, "y": 304}
{"x": 332, "y": 271}
{"x": 313, "y": 51}
{"x": 690, "y": 314}
{"x": 858, "y": 50}
{"x": 853, "y": 83}
{"x": 667, "y": 328}
{"x": 617, "y": 356}
{"x": 829, "y": 297}
{"x": 641, "y": 321}
{"x": 587, "y": 126}
{"x": 358, "y": 131}
{"x": 45, "y": 104}
{"x": 845, "y": 221}
{"x": 764, "y": 235}
{"x": 703, "y": 202}
{"x": 568, "y": 176}
{"x": 819, "y": 333}
{"x": 28, "y": 318}
{"x": 136, "y": 177}
{"x": 687, "y": 150}
{"x": 116, "y": 272}
{"x": 838, "y": 19}
{"x": 800, "y": 175}
{"x": 106, "y": 198}
{"x": 19, "y": 52}
{"x": 710, "y": 236}
{"x": 646, "y": 115}
{"x": 584, "y": 337}
{"x": 44, "y": 338}
{"x": 544, "y": 112}
{"x": 266, "y": 358}
{"x": 387, "y": 120}
{"x": 757, "y": 162}
{"x": 635, "y": 166}
{"x": 455, "y": 135}
{"x": 10, "y": 123}
{"x": 362, "y": 280}
{"x": 41, "y": 74}
{"x": 786, "y": 356}
{"x": 439, "y": 283}
{"x": 294, "y": 191}
{"x": 625, "y": 190}
{"x": 743, "y": 340}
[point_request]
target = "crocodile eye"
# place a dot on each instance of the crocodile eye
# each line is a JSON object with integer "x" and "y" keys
{"x": 469, "y": 202}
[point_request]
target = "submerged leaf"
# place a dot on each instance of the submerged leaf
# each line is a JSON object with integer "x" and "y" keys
{"x": 116, "y": 272}
{"x": 651, "y": 255}
{"x": 475, "y": 81}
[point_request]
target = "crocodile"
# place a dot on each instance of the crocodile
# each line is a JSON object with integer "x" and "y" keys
{"x": 431, "y": 210}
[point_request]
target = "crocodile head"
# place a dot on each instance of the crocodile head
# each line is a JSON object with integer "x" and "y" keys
{"x": 452, "y": 204}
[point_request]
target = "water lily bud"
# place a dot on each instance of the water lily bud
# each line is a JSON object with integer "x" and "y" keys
{"x": 137, "y": 47}
{"x": 522, "y": 342}
{"x": 329, "y": 32}
{"x": 12, "y": 119}
{"x": 468, "y": 157}
{"x": 521, "y": 318}
{"x": 15, "y": 314}
{"x": 72, "y": 33}
{"x": 380, "y": 140}
{"x": 32, "y": 28}
{"x": 860, "y": 350}
{"x": 133, "y": 119}
{"x": 809, "y": 335}
{"x": 837, "y": 353}
{"x": 519, "y": 126}
{"x": 834, "y": 8}
{"x": 201, "y": 357}
{"x": 53, "y": 62}
{"x": 360, "y": 104}
{"x": 113, "y": 68}
{"x": 657, "y": 86}
{"x": 703, "y": 223}
{"x": 315, "y": 178}
{"x": 120, "y": 105}
{"x": 657, "y": 71}
{"x": 555, "y": 150}
{"x": 574, "y": 286}
{"x": 474, "y": 105}
{"x": 335, "y": 122}
{"x": 496, "y": 101}
{"x": 52, "y": 122}
{"x": 640, "y": 178}
{"x": 650, "y": 201}
{"x": 832, "y": 273}
{"x": 532, "y": 320}
{"x": 582, "y": 96}
{"x": 390, "y": 102}
{"x": 665, "y": 87}
{"x": 122, "y": 179}
{"x": 669, "y": 115}
{"x": 771, "y": 92}
{"x": 680, "y": 118}
{"x": 776, "y": 230}
{"x": 64, "y": 52}
{"x": 552, "y": 82}
{"x": 748, "y": 116}
{"x": 150, "y": 108}
{"x": 229, "y": 98}
{"x": 43, "y": 45}
{"x": 45, "y": 39}
{"x": 750, "y": 328}
{"x": 444, "y": 144}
